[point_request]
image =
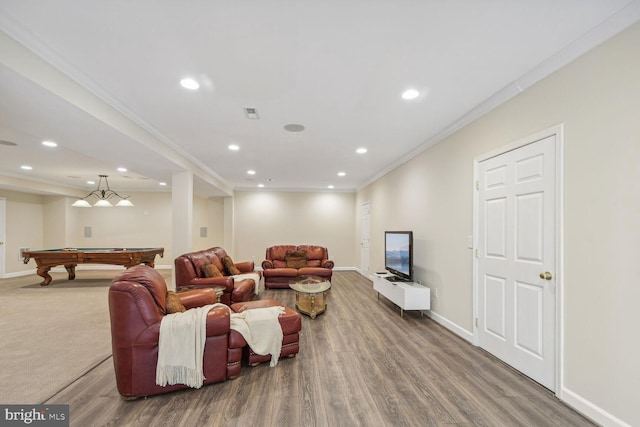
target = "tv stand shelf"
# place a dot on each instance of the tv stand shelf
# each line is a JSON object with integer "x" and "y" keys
{"x": 406, "y": 295}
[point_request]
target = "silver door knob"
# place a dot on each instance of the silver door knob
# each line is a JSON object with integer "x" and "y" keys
{"x": 546, "y": 275}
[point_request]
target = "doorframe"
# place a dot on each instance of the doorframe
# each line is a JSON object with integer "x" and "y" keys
{"x": 558, "y": 132}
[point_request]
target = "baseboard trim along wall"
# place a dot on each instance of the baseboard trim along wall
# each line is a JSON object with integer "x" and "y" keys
{"x": 589, "y": 410}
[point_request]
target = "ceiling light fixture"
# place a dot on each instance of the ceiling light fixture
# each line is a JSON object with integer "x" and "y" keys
{"x": 410, "y": 94}
{"x": 26, "y": 167}
{"x": 251, "y": 172}
{"x": 342, "y": 173}
{"x": 103, "y": 196}
{"x": 189, "y": 83}
{"x": 49, "y": 144}
{"x": 361, "y": 150}
{"x": 294, "y": 127}
{"x": 233, "y": 147}
{"x": 330, "y": 187}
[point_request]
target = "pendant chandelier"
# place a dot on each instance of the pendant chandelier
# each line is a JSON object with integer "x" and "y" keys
{"x": 103, "y": 195}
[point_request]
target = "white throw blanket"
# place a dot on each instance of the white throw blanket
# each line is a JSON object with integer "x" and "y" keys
{"x": 181, "y": 347}
{"x": 261, "y": 330}
{"x": 256, "y": 279}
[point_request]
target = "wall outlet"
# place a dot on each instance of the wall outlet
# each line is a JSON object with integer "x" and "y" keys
{"x": 435, "y": 292}
{"x": 20, "y": 254}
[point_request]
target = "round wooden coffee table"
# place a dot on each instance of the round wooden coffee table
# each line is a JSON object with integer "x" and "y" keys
{"x": 311, "y": 294}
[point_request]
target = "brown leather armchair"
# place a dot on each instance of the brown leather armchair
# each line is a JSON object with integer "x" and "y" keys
{"x": 190, "y": 275}
{"x": 278, "y": 273}
{"x": 137, "y": 303}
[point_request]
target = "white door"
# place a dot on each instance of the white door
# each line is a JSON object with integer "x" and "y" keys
{"x": 365, "y": 234}
{"x": 515, "y": 281}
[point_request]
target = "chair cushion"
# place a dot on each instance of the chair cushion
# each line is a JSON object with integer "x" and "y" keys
{"x": 210, "y": 270}
{"x": 174, "y": 305}
{"x": 231, "y": 268}
{"x": 296, "y": 259}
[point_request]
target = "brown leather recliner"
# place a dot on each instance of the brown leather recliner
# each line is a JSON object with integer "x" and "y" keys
{"x": 277, "y": 274}
{"x": 137, "y": 303}
{"x": 189, "y": 275}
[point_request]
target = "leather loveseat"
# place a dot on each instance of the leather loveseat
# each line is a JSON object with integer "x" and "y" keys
{"x": 285, "y": 262}
{"x": 190, "y": 270}
{"x": 137, "y": 304}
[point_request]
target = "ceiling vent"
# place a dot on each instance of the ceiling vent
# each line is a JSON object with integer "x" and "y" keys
{"x": 251, "y": 113}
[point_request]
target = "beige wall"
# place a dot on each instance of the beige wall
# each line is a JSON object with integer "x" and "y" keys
{"x": 597, "y": 97}
{"x": 208, "y": 213}
{"x": 24, "y": 228}
{"x": 265, "y": 218}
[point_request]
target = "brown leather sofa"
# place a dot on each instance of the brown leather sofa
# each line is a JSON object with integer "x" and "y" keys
{"x": 190, "y": 275}
{"x": 137, "y": 304}
{"x": 278, "y": 268}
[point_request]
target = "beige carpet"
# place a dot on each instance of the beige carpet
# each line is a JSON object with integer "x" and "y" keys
{"x": 51, "y": 335}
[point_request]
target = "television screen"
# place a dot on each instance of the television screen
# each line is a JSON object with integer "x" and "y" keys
{"x": 398, "y": 253}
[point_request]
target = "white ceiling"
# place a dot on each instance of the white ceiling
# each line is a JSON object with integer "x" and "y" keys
{"x": 101, "y": 78}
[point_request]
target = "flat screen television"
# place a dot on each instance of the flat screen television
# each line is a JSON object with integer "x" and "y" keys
{"x": 398, "y": 254}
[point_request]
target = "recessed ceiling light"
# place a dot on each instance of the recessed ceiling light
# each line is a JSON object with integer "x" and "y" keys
{"x": 189, "y": 83}
{"x": 162, "y": 184}
{"x": 26, "y": 167}
{"x": 91, "y": 182}
{"x": 342, "y": 173}
{"x": 361, "y": 150}
{"x": 330, "y": 186}
{"x": 122, "y": 169}
{"x": 410, "y": 94}
{"x": 251, "y": 172}
{"x": 293, "y": 127}
{"x": 260, "y": 185}
{"x": 233, "y": 147}
{"x": 49, "y": 144}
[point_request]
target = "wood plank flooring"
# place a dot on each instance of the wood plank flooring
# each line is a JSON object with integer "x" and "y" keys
{"x": 360, "y": 364}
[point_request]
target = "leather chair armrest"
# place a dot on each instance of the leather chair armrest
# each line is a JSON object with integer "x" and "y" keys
{"x": 245, "y": 267}
{"x": 266, "y": 264}
{"x": 197, "y": 297}
{"x": 327, "y": 263}
{"x": 218, "y": 321}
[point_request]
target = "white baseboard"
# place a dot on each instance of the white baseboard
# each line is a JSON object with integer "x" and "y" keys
{"x": 589, "y": 410}
{"x": 456, "y": 329}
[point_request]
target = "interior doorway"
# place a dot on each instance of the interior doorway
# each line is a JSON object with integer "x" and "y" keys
{"x": 365, "y": 235}
{"x": 517, "y": 218}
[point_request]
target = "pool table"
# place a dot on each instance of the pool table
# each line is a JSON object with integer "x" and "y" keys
{"x": 70, "y": 257}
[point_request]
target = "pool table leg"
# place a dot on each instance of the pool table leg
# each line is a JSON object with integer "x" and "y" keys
{"x": 71, "y": 269}
{"x": 44, "y": 273}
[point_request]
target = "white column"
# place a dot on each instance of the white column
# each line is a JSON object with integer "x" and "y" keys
{"x": 182, "y": 213}
{"x": 228, "y": 226}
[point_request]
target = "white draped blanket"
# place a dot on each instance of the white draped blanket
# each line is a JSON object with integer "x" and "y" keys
{"x": 256, "y": 279}
{"x": 181, "y": 347}
{"x": 261, "y": 330}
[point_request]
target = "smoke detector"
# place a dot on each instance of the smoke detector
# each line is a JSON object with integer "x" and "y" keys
{"x": 251, "y": 113}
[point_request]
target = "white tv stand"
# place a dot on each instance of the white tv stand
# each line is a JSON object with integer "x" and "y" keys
{"x": 406, "y": 295}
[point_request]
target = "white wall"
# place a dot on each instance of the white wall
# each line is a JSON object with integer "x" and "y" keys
{"x": 597, "y": 97}
{"x": 24, "y": 228}
{"x": 265, "y": 218}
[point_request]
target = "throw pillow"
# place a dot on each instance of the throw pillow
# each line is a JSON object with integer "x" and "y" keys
{"x": 296, "y": 259}
{"x": 210, "y": 270}
{"x": 231, "y": 268}
{"x": 174, "y": 305}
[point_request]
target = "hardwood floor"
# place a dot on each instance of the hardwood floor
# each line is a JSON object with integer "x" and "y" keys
{"x": 360, "y": 364}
